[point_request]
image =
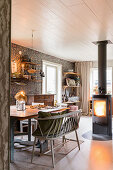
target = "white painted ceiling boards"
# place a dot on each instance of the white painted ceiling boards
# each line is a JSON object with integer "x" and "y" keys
{"x": 63, "y": 28}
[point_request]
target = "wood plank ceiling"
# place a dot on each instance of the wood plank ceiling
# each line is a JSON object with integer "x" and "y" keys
{"x": 63, "y": 28}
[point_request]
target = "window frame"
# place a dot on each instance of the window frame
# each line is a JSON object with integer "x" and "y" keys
{"x": 91, "y": 79}
{"x": 56, "y": 86}
{"x": 58, "y": 79}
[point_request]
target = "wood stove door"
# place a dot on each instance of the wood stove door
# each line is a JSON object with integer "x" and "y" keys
{"x": 100, "y": 109}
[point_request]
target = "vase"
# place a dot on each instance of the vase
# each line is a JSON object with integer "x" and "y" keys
{"x": 20, "y": 105}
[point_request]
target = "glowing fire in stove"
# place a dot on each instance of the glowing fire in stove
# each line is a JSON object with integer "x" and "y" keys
{"x": 100, "y": 108}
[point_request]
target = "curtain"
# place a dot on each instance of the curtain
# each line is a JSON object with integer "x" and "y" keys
{"x": 83, "y": 68}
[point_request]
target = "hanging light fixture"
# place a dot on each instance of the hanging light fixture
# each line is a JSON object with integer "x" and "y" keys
{"x": 32, "y": 37}
{"x": 32, "y": 69}
{"x": 41, "y": 72}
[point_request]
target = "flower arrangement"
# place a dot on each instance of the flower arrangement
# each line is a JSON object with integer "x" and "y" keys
{"x": 21, "y": 96}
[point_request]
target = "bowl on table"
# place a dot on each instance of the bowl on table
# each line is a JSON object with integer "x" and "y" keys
{"x": 73, "y": 108}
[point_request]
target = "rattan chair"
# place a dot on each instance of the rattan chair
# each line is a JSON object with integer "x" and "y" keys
{"x": 61, "y": 125}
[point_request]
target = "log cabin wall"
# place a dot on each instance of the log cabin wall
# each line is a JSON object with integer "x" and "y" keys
{"x": 5, "y": 32}
{"x": 37, "y": 57}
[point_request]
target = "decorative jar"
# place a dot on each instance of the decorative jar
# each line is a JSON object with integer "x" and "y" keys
{"x": 20, "y": 105}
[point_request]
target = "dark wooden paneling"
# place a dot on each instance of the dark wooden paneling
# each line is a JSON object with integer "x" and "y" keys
{"x": 30, "y": 99}
{"x": 46, "y": 99}
{"x": 5, "y": 17}
{"x": 38, "y": 97}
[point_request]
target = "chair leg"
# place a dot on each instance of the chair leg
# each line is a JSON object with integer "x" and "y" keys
{"x": 21, "y": 127}
{"x": 33, "y": 150}
{"x": 63, "y": 140}
{"x": 77, "y": 139}
{"x": 52, "y": 152}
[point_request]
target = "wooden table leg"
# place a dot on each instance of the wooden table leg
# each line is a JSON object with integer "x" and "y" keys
{"x": 12, "y": 139}
{"x": 29, "y": 129}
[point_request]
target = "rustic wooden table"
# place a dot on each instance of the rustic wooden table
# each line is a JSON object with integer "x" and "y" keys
{"x": 20, "y": 115}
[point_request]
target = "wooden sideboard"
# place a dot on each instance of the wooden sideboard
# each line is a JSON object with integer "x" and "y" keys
{"x": 47, "y": 99}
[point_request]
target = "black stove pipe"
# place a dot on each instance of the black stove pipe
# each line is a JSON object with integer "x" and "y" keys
{"x": 102, "y": 65}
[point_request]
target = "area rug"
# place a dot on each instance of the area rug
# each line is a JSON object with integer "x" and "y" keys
{"x": 44, "y": 162}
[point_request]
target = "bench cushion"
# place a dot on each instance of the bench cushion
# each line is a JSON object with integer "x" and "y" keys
{"x": 45, "y": 125}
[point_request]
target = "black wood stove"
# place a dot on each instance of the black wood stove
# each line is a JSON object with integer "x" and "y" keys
{"x": 102, "y": 113}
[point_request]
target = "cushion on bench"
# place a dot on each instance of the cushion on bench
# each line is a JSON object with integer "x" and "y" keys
{"x": 45, "y": 125}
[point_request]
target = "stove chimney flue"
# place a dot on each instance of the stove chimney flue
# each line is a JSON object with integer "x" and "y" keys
{"x": 102, "y": 65}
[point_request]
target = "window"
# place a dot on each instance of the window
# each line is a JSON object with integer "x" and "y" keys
{"x": 51, "y": 79}
{"x": 94, "y": 81}
{"x": 52, "y": 82}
